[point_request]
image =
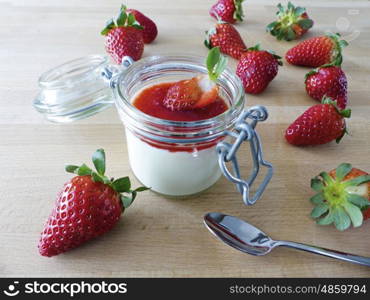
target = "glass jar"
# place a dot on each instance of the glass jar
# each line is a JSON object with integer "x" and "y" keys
{"x": 172, "y": 157}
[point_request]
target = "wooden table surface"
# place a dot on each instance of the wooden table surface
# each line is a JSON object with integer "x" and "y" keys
{"x": 161, "y": 236}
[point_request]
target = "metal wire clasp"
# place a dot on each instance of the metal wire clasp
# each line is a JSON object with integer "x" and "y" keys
{"x": 244, "y": 131}
{"x": 111, "y": 71}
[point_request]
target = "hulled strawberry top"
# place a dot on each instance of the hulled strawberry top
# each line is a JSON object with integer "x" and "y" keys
{"x": 342, "y": 197}
{"x": 292, "y": 22}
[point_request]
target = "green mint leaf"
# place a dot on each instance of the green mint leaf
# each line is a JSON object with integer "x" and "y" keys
{"x": 216, "y": 63}
{"x": 98, "y": 159}
{"x": 354, "y": 213}
{"x": 83, "y": 170}
{"x": 319, "y": 210}
{"x": 122, "y": 184}
{"x": 71, "y": 168}
{"x": 342, "y": 171}
{"x": 212, "y": 58}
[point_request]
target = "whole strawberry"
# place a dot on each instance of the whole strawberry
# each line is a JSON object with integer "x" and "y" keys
{"x": 124, "y": 37}
{"x": 229, "y": 11}
{"x": 317, "y": 51}
{"x": 320, "y": 124}
{"x": 150, "y": 30}
{"x": 226, "y": 37}
{"x": 330, "y": 81}
{"x": 89, "y": 205}
{"x": 257, "y": 68}
{"x": 343, "y": 197}
{"x": 292, "y": 22}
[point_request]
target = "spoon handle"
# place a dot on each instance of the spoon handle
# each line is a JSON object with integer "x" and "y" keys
{"x": 327, "y": 252}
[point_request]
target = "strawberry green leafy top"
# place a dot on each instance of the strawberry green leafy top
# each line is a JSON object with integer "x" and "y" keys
{"x": 238, "y": 13}
{"x": 339, "y": 44}
{"x": 335, "y": 202}
{"x": 287, "y": 18}
{"x": 121, "y": 185}
{"x": 124, "y": 19}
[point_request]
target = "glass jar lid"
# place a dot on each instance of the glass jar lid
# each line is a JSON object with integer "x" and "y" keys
{"x": 74, "y": 90}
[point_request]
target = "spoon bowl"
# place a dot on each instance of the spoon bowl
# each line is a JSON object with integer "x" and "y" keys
{"x": 239, "y": 234}
{"x": 249, "y": 239}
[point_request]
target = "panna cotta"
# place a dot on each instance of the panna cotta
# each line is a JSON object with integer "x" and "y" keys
{"x": 176, "y": 110}
{"x": 174, "y": 169}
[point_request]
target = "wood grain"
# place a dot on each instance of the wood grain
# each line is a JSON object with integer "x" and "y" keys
{"x": 162, "y": 236}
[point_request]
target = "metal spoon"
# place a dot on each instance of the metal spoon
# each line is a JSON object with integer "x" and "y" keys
{"x": 249, "y": 239}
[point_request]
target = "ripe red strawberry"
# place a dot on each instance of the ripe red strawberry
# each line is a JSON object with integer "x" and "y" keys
{"x": 198, "y": 91}
{"x": 229, "y": 11}
{"x": 320, "y": 124}
{"x": 124, "y": 37}
{"x": 292, "y": 22}
{"x": 88, "y": 206}
{"x": 226, "y": 37}
{"x": 330, "y": 81}
{"x": 317, "y": 51}
{"x": 343, "y": 197}
{"x": 257, "y": 68}
{"x": 150, "y": 30}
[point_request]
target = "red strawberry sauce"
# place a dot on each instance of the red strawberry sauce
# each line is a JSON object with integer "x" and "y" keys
{"x": 150, "y": 101}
